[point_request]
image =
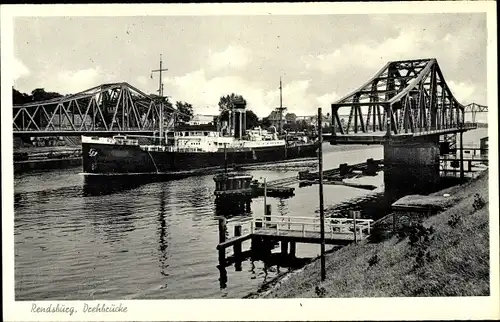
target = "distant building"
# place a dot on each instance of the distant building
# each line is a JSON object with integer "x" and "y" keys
{"x": 290, "y": 118}
{"x": 313, "y": 120}
{"x": 274, "y": 119}
{"x": 201, "y": 119}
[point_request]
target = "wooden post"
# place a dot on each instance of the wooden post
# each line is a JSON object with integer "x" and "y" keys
{"x": 284, "y": 248}
{"x": 256, "y": 245}
{"x": 222, "y": 238}
{"x": 237, "y": 248}
{"x": 354, "y": 222}
{"x": 265, "y": 196}
{"x": 393, "y": 223}
{"x": 268, "y": 213}
{"x": 461, "y": 155}
{"x": 321, "y": 213}
{"x": 292, "y": 249}
{"x": 225, "y": 159}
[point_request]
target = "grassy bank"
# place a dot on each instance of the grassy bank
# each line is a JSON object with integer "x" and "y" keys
{"x": 448, "y": 256}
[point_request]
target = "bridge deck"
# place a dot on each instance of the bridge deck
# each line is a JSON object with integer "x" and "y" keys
{"x": 380, "y": 137}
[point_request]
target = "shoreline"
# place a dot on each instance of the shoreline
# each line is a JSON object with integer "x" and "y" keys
{"x": 300, "y": 282}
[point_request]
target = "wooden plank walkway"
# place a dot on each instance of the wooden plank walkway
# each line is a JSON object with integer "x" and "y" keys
{"x": 338, "y": 231}
{"x": 309, "y": 237}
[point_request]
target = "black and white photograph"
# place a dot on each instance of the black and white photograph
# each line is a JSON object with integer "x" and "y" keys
{"x": 250, "y": 161}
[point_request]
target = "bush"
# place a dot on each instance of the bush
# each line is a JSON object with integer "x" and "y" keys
{"x": 320, "y": 291}
{"x": 478, "y": 202}
{"x": 373, "y": 260}
{"x": 454, "y": 220}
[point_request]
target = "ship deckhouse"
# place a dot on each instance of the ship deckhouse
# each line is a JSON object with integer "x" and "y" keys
{"x": 206, "y": 138}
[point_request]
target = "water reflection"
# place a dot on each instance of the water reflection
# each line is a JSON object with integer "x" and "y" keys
{"x": 105, "y": 185}
{"x": 163, "y": 234}
{"x": 230, "y": 207}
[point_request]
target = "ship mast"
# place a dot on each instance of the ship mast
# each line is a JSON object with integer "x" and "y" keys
{"x": 160, "y": 92}
{"x": 280, "y": 108}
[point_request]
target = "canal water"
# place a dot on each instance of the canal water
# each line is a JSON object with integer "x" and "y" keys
{"x": 153, "y": 240}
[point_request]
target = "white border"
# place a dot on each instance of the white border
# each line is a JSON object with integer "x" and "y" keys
{"x": 244, "y": 310}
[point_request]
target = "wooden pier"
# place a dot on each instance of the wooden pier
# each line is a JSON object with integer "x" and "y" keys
{"x": 265, "y": 231}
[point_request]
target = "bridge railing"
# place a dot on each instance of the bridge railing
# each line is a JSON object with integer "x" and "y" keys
{"x": 304, "y": 225}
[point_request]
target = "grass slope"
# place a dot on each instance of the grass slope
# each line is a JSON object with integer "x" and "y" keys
{"x": 453, "y": 262}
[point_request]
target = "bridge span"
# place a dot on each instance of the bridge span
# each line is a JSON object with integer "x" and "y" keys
{"x": 407, "y": 106}
{"x": 102, "y": 110}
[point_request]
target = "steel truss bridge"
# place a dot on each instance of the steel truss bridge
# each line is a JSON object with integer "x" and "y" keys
{"x": 474, "y": 108}
{"x": 404, "y": 99}
{"x": 101, "y": 110}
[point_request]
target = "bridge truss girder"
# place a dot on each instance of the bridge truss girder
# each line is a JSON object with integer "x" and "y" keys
{"x": 404, "y": 97}
{"x": 474, "y": 108}
{"x": 116, "y": 107}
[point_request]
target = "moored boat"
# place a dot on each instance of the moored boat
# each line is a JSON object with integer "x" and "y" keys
{"x": 189, "y": 147}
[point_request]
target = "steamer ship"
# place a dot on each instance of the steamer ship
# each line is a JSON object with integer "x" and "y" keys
{"x": 188, "y": 148}
{"x": 192, "y": 147}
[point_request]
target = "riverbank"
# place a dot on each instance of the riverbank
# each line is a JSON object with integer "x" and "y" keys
{"x": 449, "y": 256}
{"x": 45, "y": 158}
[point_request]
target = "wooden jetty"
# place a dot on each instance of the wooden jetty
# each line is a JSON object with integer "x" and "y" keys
{"x": 265, "y": 231}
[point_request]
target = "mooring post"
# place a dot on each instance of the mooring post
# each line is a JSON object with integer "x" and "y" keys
{"x": 237, "y": 248}
{"x": 222, "y": 238}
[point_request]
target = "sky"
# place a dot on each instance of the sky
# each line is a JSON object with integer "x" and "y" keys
{"x": 319, "y": 57}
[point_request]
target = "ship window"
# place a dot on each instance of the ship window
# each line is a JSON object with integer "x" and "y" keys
{"x": 186, "y": 133}
{"x": 205, "y": 133}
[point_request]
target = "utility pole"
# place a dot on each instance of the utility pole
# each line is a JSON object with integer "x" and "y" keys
{"x": 321, "y": 211}
{"x": 160, "y": 92}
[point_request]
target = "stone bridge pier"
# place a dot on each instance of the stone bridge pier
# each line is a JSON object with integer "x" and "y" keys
{"x": 411, "y": 165}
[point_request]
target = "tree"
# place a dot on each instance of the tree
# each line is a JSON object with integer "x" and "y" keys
{"x": 226, "y": 103}
{"x": 186, "y": 111}
{"x": 265, "y": 122}
{"x": 39, "y": 94}
{"x": 19, "y": 98}
{"x": 252, "y": 119}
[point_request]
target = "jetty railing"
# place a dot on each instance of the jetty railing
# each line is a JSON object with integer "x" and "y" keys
{"x": 304, "y": 225}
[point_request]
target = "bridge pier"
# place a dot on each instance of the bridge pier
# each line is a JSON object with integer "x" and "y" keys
{"x": 411, "y": 165}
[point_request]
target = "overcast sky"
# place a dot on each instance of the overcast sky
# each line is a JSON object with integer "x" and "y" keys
{"x": 320, "y": 58}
